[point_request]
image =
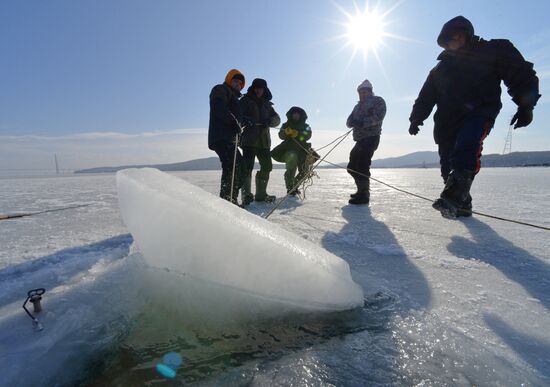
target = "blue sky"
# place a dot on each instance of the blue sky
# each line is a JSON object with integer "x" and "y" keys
{"x": 114, "y": 82}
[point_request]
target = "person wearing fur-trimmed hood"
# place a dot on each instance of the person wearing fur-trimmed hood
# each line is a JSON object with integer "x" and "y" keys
{"x": 257, "y": 108}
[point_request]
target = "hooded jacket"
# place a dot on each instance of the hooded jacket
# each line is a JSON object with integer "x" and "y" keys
{"x": 260, "y": 112}
{"x": 466, "y": 82}
{"x": 225, "y": 111}
{"x": 294, "y": 134}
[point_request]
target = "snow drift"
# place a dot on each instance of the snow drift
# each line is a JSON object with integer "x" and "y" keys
{"x": 185, "y": 230}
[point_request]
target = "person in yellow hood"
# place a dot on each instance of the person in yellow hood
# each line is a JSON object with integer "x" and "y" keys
{"x": 224, "y": 127}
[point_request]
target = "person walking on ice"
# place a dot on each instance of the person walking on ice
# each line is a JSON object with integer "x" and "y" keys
{"x": 366, "y": 120}
{"x": 465, "y": 87}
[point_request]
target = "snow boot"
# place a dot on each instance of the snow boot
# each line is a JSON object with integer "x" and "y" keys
{"x": 455, "y": 200}
{"x": 261, "y": 187}
{"x": 290, "y": 182}
{"x": 363, "y": 193}
{"x": 246, "y": 193}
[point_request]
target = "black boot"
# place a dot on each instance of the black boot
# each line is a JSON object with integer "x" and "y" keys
{"x": 455, "y": 200}
{"x": 246, "y": 193}
{"x": 261, "y": 190}
{"x": 363, "y": 193}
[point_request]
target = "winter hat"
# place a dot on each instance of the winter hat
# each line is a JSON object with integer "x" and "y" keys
{"x": 296, "y": 109}
{"x": 365, "y": 85}
{"x": 457, "y": 24}
{"x": 234, "y": 74}
{"x": 260, "y": 83}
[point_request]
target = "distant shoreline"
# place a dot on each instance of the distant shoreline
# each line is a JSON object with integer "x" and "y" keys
{"x": 424, "y": 159}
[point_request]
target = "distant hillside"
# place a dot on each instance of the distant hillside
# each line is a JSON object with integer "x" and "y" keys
{"x": 431, "y": 160}
{"x": 206, "y": 164}
{"x": 412, "y": 160}
{"x": 425, "y": 159}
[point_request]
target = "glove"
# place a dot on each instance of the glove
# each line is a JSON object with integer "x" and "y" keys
{"x": 523, "y": 117}
{"x": 245, "y": 123}
{"x": 291, "y": 132}
{"x": 414, "y": 129}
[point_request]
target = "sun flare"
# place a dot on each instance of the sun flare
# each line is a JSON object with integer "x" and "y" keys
{"x": 365, "y": 31}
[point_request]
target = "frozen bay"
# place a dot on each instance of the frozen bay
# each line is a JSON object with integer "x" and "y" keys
{"x": 447, "y": 303}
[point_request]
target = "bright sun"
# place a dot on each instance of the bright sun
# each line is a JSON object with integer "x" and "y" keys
{"x": 365, "y": 31}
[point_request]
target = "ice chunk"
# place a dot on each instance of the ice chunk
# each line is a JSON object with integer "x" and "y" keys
{"x": 184, "y": 229}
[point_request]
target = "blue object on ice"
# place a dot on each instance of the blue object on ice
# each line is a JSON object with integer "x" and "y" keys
{"x": 166, "y": 371}
{"x": 172, "y": 360}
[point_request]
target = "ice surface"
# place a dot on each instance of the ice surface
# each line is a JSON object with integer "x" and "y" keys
{"x": 88, "y": 308}
{"x": 456, "y": 303}
{"x": 186, "y": 230}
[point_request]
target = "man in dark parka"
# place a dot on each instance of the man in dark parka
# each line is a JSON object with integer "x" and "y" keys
{"x": 224, "y": 127}
{"x": 257, "y": 108}
{"x": 465, "y": 87}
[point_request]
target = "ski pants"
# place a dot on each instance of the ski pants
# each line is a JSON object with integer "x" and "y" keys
{"x": 462, "y": 150}
{"x": 360, "y": 157}
{"x": 264, "y": 157}
{"x": 226, "y": 153}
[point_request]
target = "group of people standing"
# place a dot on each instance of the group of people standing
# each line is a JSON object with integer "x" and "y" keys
{"x": 464, "y": 86}
{"x": 245, "y": 122}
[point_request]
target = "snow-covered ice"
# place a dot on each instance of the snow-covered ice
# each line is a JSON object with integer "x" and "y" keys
{"x": 447, "y": 302}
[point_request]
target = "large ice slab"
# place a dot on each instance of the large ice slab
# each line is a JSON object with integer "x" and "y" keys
{"x": 184, "y": 229}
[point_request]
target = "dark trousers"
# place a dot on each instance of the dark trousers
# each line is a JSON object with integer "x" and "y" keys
{"x": 226, "y": 153}
{"x": 462, "y": 150}
{"x": 360, "y": 158}
{"x": 264, "y": 157}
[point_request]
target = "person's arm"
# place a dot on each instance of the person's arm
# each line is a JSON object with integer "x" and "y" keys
{"x": 425, "y": 102}
{"x": 246, "y": 108}
{"x": 282, "y": 133}
{"x": 377, "y": 113}
{"x": 219, "y": 106}
{"x": 351, "y": 122}
{"x": 518, "y": 75}
{"x": 274, "y": 119}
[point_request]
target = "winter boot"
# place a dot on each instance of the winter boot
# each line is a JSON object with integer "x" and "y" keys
{"x": 246, "y": 193}
{"x": 363, "y": 193}
{"x": 290, "y": 182}
{"x": 455, "y": 200}
{"x": 261, "y": 186}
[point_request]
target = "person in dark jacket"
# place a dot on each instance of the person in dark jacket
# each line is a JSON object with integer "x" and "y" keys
{"x": 465, "y": 87}
{"x": 223, "y": 130}
{"x": 366, "y": 121}
{"x": 294, "y": 149}
{"x": 257, "y": 108}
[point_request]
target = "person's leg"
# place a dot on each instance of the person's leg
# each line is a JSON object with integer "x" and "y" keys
{"x": 291, "y": 161}
{"x": 465, "y": 164}
{"x": 248, "y": 166}
{"x": 225, "y": 152}
{"x": 445, "y": 150}
{"x": 367, "y": 147}
{"x": 466, "y": 154}
{"x": 262, "y": 176}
